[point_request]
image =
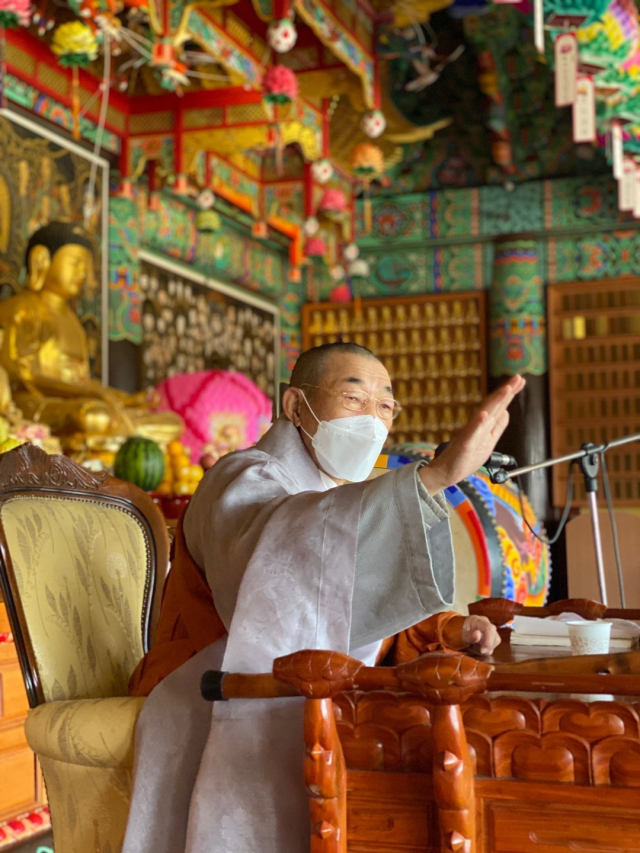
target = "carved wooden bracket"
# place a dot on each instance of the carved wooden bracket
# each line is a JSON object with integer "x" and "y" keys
{"x": 28, "y": 466}
{"x": 444, "y": 679}
{"x": 317, "y": 674}
{"x": 497, "y": 610}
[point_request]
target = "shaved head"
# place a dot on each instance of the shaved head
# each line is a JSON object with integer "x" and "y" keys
{"x": 312, "y": 364}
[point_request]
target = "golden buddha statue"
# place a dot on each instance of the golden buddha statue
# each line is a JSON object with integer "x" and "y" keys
{"x": 45, "y": 353}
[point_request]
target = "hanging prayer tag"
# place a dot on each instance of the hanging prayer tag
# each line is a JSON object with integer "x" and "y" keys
{"x": 565, "y": 50}
{"x": 538, "y": 25}
{"x": 617, "y": 152}
{"x": 636, "y": 193}
{"x": 584, "y": 111}
{"x": 626, "y": 186}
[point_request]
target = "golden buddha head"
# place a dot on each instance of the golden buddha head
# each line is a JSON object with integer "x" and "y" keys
{"x": 59, "y": 258}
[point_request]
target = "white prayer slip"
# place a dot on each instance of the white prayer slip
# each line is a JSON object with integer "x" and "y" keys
{"x": 293, "y": 563}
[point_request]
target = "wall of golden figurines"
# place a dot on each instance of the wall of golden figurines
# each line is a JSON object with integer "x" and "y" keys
{"x": 434, "y": 348}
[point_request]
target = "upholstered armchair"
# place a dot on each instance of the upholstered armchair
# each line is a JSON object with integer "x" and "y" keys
{"x": 82, "y": 562}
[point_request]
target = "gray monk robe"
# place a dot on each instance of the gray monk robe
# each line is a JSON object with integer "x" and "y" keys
{"x": 292, "y": 564}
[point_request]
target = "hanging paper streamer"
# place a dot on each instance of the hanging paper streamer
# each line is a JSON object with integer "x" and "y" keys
{"x": 565, "y": 51}
{"x": 584, "y": 110}
{"x": 538, "y": 25}
{"x": 636, "y": 193}
{"x": 617, "y": 151}
{"x": 626, "y": 186}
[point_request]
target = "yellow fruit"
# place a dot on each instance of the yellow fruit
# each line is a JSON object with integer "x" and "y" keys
{"x": 3, "y": 430}
{"x": 9, "y": 444}
{"x": 165, "y": 489}
{"x": 175, "y": 447}
{"x": 180, "y": 462}
{"x": 182, "y": 488}
{"x": 196, "y": 473}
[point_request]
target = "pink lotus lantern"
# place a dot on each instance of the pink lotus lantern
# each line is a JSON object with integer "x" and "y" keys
{"x": 280, "y": 85}
{"x": 333, "y": 201}
{"x": 315, "y": 247}
{"x": 222, "y": 411}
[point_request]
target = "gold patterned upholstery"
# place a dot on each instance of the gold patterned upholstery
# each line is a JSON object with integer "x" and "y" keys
{"x": 82, "y": 566}
{"x": 80, "y": 569}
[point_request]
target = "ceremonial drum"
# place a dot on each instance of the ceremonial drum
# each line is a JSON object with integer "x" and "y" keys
{"x": 496, "y": 553}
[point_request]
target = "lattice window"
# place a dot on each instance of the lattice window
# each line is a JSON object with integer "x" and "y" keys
{"x": 594, "y": 347}
{"x": 151, "y": 122}
{"x": 433, "y": 347}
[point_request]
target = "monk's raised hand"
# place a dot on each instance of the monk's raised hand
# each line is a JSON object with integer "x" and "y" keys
{"x": 470, "y": 448}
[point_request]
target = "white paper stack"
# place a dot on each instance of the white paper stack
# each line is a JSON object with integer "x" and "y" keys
{"x": 553, "y": 631}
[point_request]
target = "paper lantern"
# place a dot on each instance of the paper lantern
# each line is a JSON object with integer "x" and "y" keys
{"x": 282, "y": 35}
{"x": 333, "y": 201}
{"x": 315, "y": 248}
{"x": 74, "y": 44}
{"x": 207, "y": 221}
{"x": 280, "y": 85}
{"x": 311, "y": 226}
{"x": 15, "y": 13}
{"x": 367, "y": 160}
{"x": 374, "y": 124}
{"x": 351, "y": 252}
{"x": 222, "y": 411}
{"x": 322, "y": 171}
{"x": 206, "y": 199}
{"x": 359, "y": 268}
{"x": 337, "y": 273}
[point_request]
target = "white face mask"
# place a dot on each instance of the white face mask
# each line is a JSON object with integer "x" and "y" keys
{"x": 347, "y": 448}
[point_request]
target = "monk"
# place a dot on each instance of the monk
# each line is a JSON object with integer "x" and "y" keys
{"x": 273, "y": 557}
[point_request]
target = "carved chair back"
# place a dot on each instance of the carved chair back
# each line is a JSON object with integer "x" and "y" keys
{"x": 83, "y": 558}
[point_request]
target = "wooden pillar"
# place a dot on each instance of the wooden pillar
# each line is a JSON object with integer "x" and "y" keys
{"x": 518, "y": 344}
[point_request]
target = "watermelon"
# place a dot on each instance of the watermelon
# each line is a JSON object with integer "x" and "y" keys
{"x": 140, "y": 461}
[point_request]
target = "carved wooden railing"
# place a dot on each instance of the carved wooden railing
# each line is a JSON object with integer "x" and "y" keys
{"x": 443, "y": 680}
{"x": 499, "y": 611}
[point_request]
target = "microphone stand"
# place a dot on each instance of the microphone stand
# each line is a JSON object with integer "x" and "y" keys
{"x": 589, "y": 457}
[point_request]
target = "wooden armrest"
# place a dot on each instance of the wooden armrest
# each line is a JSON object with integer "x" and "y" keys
{"x": 441, "y": 678}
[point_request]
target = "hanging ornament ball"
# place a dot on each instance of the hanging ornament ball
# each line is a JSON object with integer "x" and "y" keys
{"x": 359, "y": 268}
{"x": 311, "y": 226}
{"x": 322, "y": 170}
{"x": 282, "y": 35}
{"x": 374, "y": 124}
{"x": 337, "y": 273}
{"x": 351, "y": 252}
{"x": 205, "y": 200}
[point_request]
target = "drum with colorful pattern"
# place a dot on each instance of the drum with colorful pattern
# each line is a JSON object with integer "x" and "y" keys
{"x": 496, "y": 553}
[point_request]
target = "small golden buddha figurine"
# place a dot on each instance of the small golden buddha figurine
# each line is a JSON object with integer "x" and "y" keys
{"x": 415, "y": 320}
{"x": 402, "y": 345}
{"x": 473, "y": 339}
{"x": 416, "y": 423}
{"x": 415, "y": 395}
{"x": 459, "y": 342}
{"x": 444, "y": 338}
{"x": 430, "y": 344}
{"x": 474, "y": 394}
{"x": 359, "y": 339}
{"x": 315, "y": 327}
{"x": 444, "y": 318}
{"x": 418, "y": 367}
{"x": 457, "y": 314}
{"x": 461, "y": 417}
{"x": 372, "y": 319}
{"x": 403, "y": 368}
{"x": 431, "y": 420}
{"x": 387, "y": 317}
{"x": 389, "y": 364}
{"x": 444, "y": 391}
{"x": 318, "y": 341}
{"x": 403, "y": 394}
{"x": 330, "y": 323}
{"x": 446, "y": 364}
{"x": 461, "y": 390}
{"x": 447, "y": 423}
{"x": 415, "y": 341}
{"x": 432, "y": 366}
{"x": 401, "y": 321}
{"x": 460, "y": 367}
{"x": 430, "y": 391}
{"x": 471, "y": 314}
{"x": 430, "y": 314}
{"x": 343, "y": 321}
{"x": 473, "y": 362}
{"x": 374, "y": 345}
{"x": 387, "y": 344}
{"x": 45, "y": 349}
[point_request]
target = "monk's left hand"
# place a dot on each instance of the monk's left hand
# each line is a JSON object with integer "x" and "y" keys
{"x": 479, "y": 634}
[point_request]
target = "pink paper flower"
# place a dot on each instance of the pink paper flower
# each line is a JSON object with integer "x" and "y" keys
{"x": 15, "y": 13}
{"x": 280, "y": 84}
{"x": 333, "y": 201}
{"x": 315, "y": 248}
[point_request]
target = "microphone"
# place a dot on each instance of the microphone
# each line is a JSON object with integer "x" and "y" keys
{"x": 496, "y": 460}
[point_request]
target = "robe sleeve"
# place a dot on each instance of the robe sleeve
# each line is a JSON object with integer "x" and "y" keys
{"x": 404, "y": 558}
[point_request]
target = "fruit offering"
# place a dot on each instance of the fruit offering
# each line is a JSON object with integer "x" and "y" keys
{"x": 140, "y": 461}
{"x": 9, "y": 444}
{"x": 180, "y": 476}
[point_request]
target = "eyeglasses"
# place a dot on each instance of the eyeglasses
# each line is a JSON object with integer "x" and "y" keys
{"x": 387, "y": 409}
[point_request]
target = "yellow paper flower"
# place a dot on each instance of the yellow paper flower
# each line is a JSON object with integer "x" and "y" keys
{"x": 74, "y": 43}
